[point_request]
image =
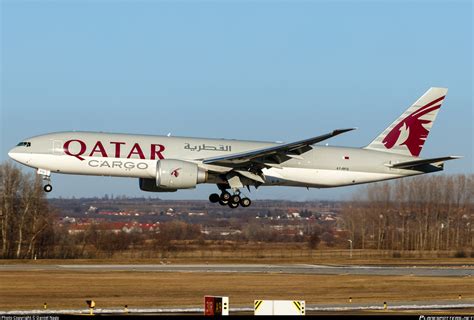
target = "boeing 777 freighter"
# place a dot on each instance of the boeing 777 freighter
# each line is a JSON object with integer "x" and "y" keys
{"x": 167, "y": 164}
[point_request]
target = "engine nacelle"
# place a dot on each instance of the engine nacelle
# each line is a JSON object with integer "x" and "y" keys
{"x": 178, "y": 174}
{"x": 150, "y": 186}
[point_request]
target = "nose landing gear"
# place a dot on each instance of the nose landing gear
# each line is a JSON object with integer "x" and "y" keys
{"x": 48, "y": 188}
{"x": 46, "y": 174}
{"x": 233, "y": 201}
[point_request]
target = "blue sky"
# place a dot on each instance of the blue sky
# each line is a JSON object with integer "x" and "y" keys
{"x": 252, "y": 70}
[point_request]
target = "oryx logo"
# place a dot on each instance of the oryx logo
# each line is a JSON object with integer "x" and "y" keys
{"x": 411, "y": 131}
{"x": 175, "y": 172}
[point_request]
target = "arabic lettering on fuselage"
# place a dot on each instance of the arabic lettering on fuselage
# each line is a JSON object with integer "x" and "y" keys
{"x": 205, "y": 147}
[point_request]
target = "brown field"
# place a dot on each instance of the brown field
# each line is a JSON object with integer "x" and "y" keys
{"x": 432, "y": 263}
{"x": 65, "y": 289}
{"x": 269, "y": 253}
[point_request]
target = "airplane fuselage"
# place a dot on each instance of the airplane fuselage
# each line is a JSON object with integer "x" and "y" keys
{"x": 129, "y": 155}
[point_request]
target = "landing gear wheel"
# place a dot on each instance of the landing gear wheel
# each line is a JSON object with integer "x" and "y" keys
{"x": 233, "y": 205}
{"x": 245, "y": 202}
{"x": 225, "y": 196}
{"x": 223, "y": 203}
{"x": 235, "y": 198}
{"x": 214, "y": 198}
{"x": 48, "y": 188}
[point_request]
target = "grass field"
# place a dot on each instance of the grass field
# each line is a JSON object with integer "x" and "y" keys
{"x": 65, "y": 289}
{"x": 258, "y": 252}
{"x": 329, "y": 259}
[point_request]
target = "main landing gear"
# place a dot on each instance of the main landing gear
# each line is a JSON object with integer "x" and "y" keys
{"x": 231, "y": 200}
{"x": 46, "y": 174}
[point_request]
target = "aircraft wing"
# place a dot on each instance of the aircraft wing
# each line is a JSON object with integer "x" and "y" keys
{"x": 420, "y": 162}
{"x": 271, "y": 156}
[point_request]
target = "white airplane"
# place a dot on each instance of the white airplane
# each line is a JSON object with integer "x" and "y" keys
{"x": 166, "y": 164}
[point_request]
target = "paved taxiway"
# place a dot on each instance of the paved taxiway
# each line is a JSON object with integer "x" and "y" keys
{"x": 465, "y": 271}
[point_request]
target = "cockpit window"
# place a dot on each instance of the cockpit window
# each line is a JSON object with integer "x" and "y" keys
{"x": 24, "y": 144}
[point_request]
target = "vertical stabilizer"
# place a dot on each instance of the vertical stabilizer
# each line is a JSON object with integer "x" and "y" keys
{"x": 409, "y": 132}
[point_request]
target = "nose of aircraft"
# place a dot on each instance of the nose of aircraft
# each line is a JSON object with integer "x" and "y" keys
{"x": 12, "y": 154}
{"x": 18, "y": 155}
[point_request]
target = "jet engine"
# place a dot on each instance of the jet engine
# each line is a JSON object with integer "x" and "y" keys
{"x": 174, "y": 174}
{"x": 150, "y": 186}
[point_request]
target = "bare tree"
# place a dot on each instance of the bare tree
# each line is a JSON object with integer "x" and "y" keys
{"x": 420, "y": 213}
{"x": 24, "y": 213}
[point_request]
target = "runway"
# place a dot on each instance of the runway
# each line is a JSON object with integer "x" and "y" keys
{"x": 360, "y": 308}
{"x": 463, "y": 271}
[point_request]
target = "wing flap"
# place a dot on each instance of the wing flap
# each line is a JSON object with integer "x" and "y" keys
{"x": 251, "y": 175}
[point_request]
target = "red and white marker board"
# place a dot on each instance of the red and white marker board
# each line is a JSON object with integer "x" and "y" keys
{"x": 216, "y": 306}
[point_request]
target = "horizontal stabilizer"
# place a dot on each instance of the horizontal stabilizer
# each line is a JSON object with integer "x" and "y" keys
{"x": 416, "y": 163}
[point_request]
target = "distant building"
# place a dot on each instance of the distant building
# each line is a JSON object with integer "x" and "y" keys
{"x": 199, "y": 214}
{"x": 115, "y": 227}
{"x": 293, "y": 215}
{"x": 91, "y": 209}
{"x": 220, "y": 231}
{"x": 67, "y": 220}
